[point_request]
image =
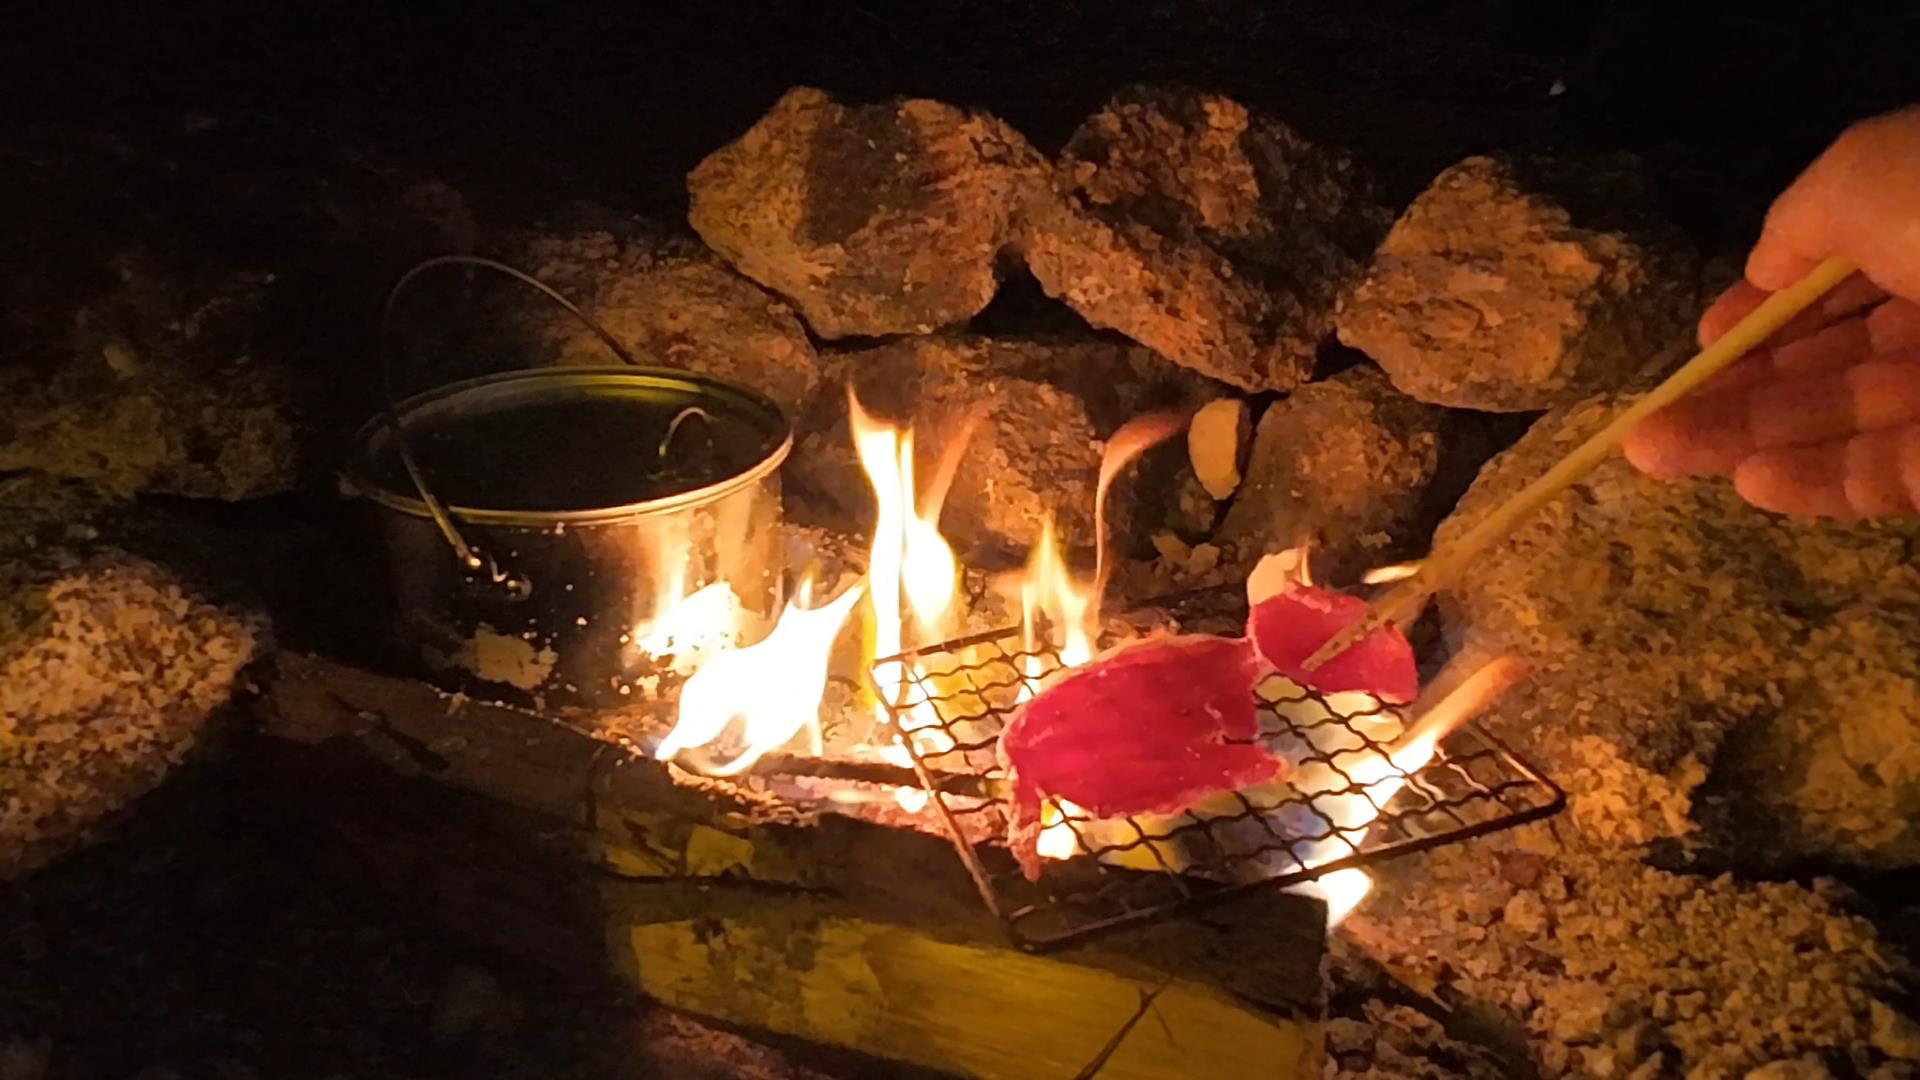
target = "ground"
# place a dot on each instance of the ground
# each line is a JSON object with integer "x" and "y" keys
{"x": 183, "y": 949}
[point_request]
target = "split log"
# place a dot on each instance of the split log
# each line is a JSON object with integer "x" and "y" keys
{"x": 536, "y": 837}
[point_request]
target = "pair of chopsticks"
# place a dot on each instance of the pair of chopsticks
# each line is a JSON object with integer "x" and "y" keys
{"x": 1403, "y": 602}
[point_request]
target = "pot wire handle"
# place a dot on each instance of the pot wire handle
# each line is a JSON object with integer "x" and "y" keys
{"x": 481, "y": 566}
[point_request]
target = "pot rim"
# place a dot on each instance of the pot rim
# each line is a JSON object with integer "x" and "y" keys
{"x": 358, "y": 477}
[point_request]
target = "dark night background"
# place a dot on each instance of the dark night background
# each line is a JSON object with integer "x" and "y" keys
{"x": 625, "y": 98}
{"x": 204, "y": 959}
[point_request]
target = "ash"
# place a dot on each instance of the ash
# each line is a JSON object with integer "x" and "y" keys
{"x": 1559, "y": 950}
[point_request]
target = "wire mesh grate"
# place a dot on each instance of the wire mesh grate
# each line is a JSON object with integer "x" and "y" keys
{"x": 1345, "y": 803}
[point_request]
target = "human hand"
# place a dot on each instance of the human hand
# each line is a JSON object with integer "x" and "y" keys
{"x": 1824, "y": 420}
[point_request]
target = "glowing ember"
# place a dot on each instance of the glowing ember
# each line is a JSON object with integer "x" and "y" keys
{"x": 772, "y": 688}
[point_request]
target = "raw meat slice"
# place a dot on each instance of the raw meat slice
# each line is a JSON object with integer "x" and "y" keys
{"x": 1288, "y": 627}
{"x": 1148, "y": 728}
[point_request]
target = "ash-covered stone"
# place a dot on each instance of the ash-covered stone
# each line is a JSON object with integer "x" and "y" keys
{"x": 1345, "y": 466}
{"x": 1522, "y": 283}
{"x": 1220, "y": 238}
{"x": 109, "y": 670}
{"x": 871, "y": 219}
{"x": 191, "y": 312}
{"x": 1674, "y": 631}
{"x": 1835, "y": 771}
{"x": 1611, "y": 963}
{"x": 668, "y": 300}
{"x": 155, "y": 387}
{"x": 1659, "y": 616}
{"x": 1044, "y": 411}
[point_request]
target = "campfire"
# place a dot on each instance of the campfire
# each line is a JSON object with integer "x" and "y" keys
{"x": 880, "y": 608}
{"x": 940, "y": 704}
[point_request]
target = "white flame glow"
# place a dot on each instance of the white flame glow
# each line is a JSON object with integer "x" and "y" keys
{"x": 1377, "y": 778}
{"x": 772, "y": 688}
{"x": 909, "y": 560}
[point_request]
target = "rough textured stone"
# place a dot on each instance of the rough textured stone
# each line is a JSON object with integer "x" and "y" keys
{"x": 1344, "y": 466}
{"x": 1221, "y": 238}
{"x": 1515, "y": 284}
{"x": 1894, "y": 1034}
{"x": 1047, "y": 409}
{"x": 1614, "y": 961}
{"x": 159, "y": 391}
{"x": 1676, "y": 628}
{"x": 877, "y": 219}
{"x": 191, "y": 313}
{"x": 108, "y": 672}
{"x": 669, "y": 301}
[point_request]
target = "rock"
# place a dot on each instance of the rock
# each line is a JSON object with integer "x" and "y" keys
{"x": 668, "y": 301}
{"x": 1220, "y": 238}
{"x": 871, "y": 219}
{"x": 1651, "y": 1069}
{"x": 1344, "y": 466}
{"x": 1046, "y": 410}
{"x": 1659, "y": 617}
{"x": 109, "y": 670}
{"x": 1513, "y": 284}
{"x": 1774, "y": 653}
{"x": 23, "y": 1060}
{"x": 155, "y": 388}
{"x": 1835, "y": 771}
{"x": 1806, "y": 1068}
{"x": 1526, "y": 914}
{"x": 1894, "y": 1033}
{"x": 191, "y": 313}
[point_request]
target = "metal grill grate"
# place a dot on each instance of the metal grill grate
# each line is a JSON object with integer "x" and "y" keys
{"x": 1345, "y": 804}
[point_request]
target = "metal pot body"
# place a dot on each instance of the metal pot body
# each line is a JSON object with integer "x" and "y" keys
{"x": 634, "y": 566}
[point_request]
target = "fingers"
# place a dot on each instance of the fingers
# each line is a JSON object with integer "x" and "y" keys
{"x": 1869, "y": 475}
{"x": 1776, "y": 397}
{"x": 1848, "y": 298}
{"x": 1894, "y": 325}
{"x": 1859, "y": 199}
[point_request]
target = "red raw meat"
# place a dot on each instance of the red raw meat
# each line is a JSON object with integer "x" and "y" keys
{"x": 1149, "y": 728}
{"x": 1289, "y": 627}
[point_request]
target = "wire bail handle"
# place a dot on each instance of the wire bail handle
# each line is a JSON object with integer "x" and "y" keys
{"x": 480, "y": 569}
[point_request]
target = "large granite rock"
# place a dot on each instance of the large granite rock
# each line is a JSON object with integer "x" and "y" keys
{"x": 1045, "y": 410}
{"x": 109, "y": 671}
{"x": 1220, "y": 238}
{"x": 870, "y": 219}
{"x": 1514, "y": 284}
{"x": 192, "y": 312}
{"x": 668, "y": 300}
{"x": 1344, "y": 466}
{"x": 1688, "y": 634}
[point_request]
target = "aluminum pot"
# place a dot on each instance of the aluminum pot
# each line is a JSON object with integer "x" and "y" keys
{"x": 544, "y": 528}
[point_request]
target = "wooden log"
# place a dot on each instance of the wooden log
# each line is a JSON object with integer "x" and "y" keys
{"x": 537, "y": 838}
